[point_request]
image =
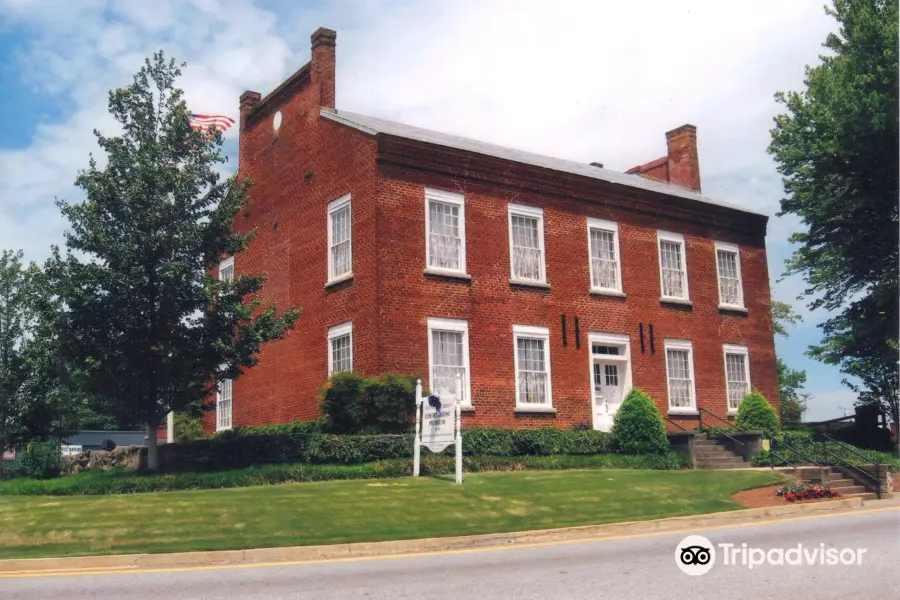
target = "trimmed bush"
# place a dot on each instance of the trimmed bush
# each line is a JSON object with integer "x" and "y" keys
{"x": 638, "y": 427}
{"x": 388, "y": 404}
{"x": 341, "y": 402}
{"x": 42, "y": 460}
{"x": 124, "y": 482}
{"x": 756, "y": 414}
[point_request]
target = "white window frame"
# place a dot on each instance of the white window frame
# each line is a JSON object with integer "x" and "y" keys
{"x": 612, "y": 227}
{"x": 335, "y": 332}
{"x": 531, "y": 213}
{"x": 742, "y": 350}
{"x": 733, "y": 248}
{"x": 668, "y": 236}
{"x": 219, "y": 426}
{"x": 333, "y": 207}
{"x": 689, "y": 346}
{"x": 532, "y": 332}
{"x": 224, "y": 264}
{"x": 455, "y": 326}
{"x": 432, "y": 195}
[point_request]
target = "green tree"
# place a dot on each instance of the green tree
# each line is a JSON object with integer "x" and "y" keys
{"x": 37, "y": 401}
{"x": 836, "y": 148}
{"x": 792, "y": 403}
{"x": 150, "y": 325}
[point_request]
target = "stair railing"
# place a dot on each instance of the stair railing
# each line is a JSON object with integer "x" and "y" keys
{"x": 875, "y": 477}
{"x": 722, "y": 432}
{"x": 772, "y": 449}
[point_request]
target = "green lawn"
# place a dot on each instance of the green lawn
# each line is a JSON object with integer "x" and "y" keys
{"x": 356, "y": 511}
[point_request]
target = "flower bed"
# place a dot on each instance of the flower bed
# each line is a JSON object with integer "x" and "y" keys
{"x": 794, "y": 492}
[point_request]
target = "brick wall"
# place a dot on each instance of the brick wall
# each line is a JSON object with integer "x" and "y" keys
{"x": 491, "y": 305}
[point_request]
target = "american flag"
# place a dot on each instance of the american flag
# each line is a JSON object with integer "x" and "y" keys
{"x": 204, "y": 122}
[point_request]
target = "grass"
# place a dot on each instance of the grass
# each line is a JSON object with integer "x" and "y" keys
{"x": 356, "y": 511}
{"x": 126, "y": 482}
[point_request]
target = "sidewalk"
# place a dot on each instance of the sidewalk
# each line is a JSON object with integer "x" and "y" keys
{"x": 302, "y": 554}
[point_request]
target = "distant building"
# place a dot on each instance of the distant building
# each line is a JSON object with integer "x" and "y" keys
{"x": 552, "y": 287}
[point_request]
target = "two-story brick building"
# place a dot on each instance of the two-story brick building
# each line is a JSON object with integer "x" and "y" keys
{"x": 553, "y": 287}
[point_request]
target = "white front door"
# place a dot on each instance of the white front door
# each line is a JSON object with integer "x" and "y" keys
{"x": 609, "y": 381}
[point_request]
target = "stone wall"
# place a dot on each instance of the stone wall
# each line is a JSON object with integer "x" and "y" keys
{"x": 128, "y": 457}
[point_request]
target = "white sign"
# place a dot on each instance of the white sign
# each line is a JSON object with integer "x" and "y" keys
{"x": 438, "y": 425}
{"x": 438, "y": 421}
{"x": 70, "y": 450}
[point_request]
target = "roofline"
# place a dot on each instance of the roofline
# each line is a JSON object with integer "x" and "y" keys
{"x": 642, "y": 183}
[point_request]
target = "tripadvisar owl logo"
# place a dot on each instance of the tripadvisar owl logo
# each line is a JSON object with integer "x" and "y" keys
{"x": 695, "y": 555}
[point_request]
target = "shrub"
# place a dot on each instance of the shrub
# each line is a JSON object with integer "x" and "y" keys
{"x": 756, "y": 414}
{"x": 42, "y": 460}
{"x": 188, "y": 428}
{"x": 341, "y": 401}
{"x": 388, "y": 403}
{"x": 638, "y": 427}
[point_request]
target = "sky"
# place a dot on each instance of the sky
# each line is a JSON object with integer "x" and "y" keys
{"x": 588, "y": 81}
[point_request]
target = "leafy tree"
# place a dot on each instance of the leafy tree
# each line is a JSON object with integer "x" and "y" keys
{"x": 150, "y": 326}
{"x": 837, "y": 149}
{"x": 36, "y": 400}
{"x": 792, "y": 403}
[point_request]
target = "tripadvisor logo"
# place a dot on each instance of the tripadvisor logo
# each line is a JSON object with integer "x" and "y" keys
{"x": 696, "y": 555}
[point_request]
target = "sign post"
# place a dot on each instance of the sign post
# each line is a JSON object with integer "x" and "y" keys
{"x": 438, "y": 424}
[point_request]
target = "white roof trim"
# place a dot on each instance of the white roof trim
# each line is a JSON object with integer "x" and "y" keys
{"x": 373, "y": 126}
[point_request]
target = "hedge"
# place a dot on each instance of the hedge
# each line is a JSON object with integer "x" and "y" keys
{"x": 274, "y": 445}
{"x": 91, "y": 483}
{"x": 829, "y": 453}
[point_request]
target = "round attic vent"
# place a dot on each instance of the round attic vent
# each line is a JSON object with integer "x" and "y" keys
{"x": 276, "y": 121}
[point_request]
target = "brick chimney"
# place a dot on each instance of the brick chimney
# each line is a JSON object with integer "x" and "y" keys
{"x": 681, "y": 165}
{"x": 322, "y": 64}
{"x": 684, "y": 164}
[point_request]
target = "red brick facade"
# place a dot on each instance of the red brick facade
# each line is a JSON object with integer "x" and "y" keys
{"x": 312, "y": 161}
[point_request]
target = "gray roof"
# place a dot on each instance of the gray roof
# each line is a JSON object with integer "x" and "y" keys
{"x": 372, "y": 126}
{"x": 96, "y": 438}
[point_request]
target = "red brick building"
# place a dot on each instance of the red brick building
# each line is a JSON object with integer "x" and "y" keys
{"x": 552, "y": 286}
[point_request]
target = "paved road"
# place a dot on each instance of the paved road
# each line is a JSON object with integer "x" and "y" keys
{"x": 638, "y": 567}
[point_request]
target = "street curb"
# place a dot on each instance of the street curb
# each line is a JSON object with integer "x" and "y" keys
{"x": 295, "y": 554}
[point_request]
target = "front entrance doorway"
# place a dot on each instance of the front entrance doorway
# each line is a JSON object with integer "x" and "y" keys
{"x": 610, "y": 376}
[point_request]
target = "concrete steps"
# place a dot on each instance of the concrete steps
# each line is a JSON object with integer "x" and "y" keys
{"x": 711, "y": 455}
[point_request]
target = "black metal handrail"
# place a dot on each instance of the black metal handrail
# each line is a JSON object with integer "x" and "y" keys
{"x": 675, "y": 423}
{"x": 876, "y": 477}
{"x": 722, "y": 432}
{"x": 772, "y": 451}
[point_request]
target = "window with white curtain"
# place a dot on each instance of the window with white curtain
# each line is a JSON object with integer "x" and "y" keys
{"x": 448, "y": 356}
{"x": 737, "y": 375}
{"x": 532, "y": 363}
{"x": 605, "y": 264}
{"x": 340, "y": 348}
{"x": 340, "y": 252}
{"x": 672, "y": 266}
{"x": 526, "y": 244}
{"x": 680, "y": 375}
{"x": 728, "y": 269}
{"x": 445, "y": 231}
